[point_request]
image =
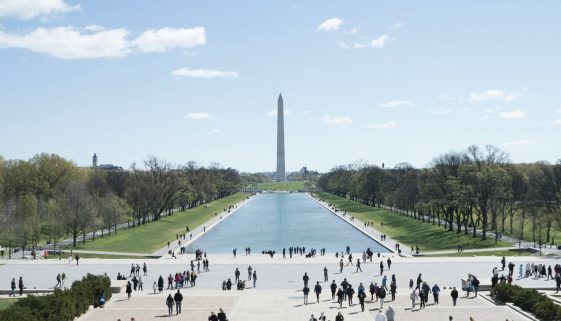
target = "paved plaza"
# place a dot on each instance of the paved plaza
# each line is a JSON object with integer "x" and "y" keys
{"x": 261, "y": 304}
{"x": 278, "y": 295}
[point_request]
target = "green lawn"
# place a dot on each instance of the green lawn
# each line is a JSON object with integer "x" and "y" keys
{"x": 408, "y": 230}
{"x": 281, "y": 186}
{"x": 5, "y": 303}
{"x": 152, "y": 236}
{"x": 99, "y": 256}
{"x": 499, "y": 253}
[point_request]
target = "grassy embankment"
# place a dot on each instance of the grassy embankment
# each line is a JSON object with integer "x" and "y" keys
{"x": 5, "y": 303}
{"x": 281, "y": 186}
{"x": 498, "y": 253}
{"x": 408, "y": 230}
{"x": 152, "y": 236}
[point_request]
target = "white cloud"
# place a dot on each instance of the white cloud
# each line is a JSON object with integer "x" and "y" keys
{"x": 513, "y": 114}
{"x": 274, "y": 112}
{"x": 353, "y": 30}
{"x": 198, "y": 116}
{"x": 497, "y": 94}
{"x": 558, "y": 111}
{"x": 557, "y": 121}
{"x": 343, "y": 120}
{"x": 331, "y": 24}
{"x": 70, "y": 43}
{"x": 96, "y": 42}
{"x": 94, "y": 28}
{"x": 520, "y": 142}
{"x": 215, "y": 131}
{"x": 305, "y": 112}
{"x": 397, "y": 25}
{"x": 438, "y": 111}
{"x": 397, "y": 103}
{"x": 387, "y": 125}
{"x": 204, "y": 73}
{"x": 376, "y": 43}
{"x": 166, "y": 39}
{"x": 27, "y": 9}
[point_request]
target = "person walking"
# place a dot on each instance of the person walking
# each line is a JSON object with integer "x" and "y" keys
{"x": 454, "y": 295}
{"x": 129, "y": 289}
{"x": 178, "y": 297}
{"x": 20, "y": 285}
{"x": 381, "y": 267}
{"x": 475, "y": 284}
{"x": 390, "y": 314}
{"x": 389, "y": 261}
{"x": 237, "y": 275}
{"x": 325, "y": 279}
{"x": 381, "y": 296}
{"x": 435, "y": 293}
{"x": 350, "y": 293}
{"x": 358, "y": 265}
{"x": 333, "y": 287}
{"x": 306, "y": 291}
{"x": 58, "y": 280}
{"x": 249, "y": 269}
{"x": 169, "y": 303}
{"x": 341, "y": 264}
{"x": 62, "y": 279}
{"x": 393, "y": 290}
{"x": 140, "y": 284}
{"x": 13, "y": 287}
{"x": 317, "y": 291}
{"x": 160, "y": 284}
{"x": 361, "y": 297}
{"x": 422, "y": 298}
{"x": 154, "y": 287}
{"x": 340, "y": 296}
{"x": 413, "y": 297}
{"x": 305, "y": 278}
{"x": 254, "y": 277}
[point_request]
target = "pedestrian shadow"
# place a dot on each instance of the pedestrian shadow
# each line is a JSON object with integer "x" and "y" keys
{"x": 357, "y": 312}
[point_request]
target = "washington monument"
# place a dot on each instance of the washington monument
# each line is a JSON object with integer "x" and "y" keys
{"x": 281, "y": 175}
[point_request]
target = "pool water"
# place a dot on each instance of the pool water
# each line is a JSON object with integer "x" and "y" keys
{"x": 274, "y": 221}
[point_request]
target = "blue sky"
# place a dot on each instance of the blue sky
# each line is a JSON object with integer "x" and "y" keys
{"x": 379, "y": 81}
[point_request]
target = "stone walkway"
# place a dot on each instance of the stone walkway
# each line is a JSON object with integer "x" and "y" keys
{"x": 271, "y": 305}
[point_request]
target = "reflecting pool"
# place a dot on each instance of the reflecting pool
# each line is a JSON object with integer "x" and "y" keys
{"x": 274, "y": 221}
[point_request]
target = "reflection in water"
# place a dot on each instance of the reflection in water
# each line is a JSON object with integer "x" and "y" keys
{"x": 279, "y": 220}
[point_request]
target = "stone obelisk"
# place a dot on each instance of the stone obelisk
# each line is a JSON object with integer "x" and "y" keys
{"x": 281, "y": 175}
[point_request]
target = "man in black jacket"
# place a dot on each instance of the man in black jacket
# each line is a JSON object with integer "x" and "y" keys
{"x": 178, "y": 297}
{"x": 333, "y": 289}
{"x": 317, "y": 290}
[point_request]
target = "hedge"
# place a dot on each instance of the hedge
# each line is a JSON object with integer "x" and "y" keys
{"x": 528, "y": 300}
{"x": 62, "y": 305}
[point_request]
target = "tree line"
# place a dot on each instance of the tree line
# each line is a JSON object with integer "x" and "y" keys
{"x": 478, "y": 188}
{"x": 48, "y": 198}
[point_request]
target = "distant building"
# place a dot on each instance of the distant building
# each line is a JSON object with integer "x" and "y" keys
{"x": 105, "y": 167}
